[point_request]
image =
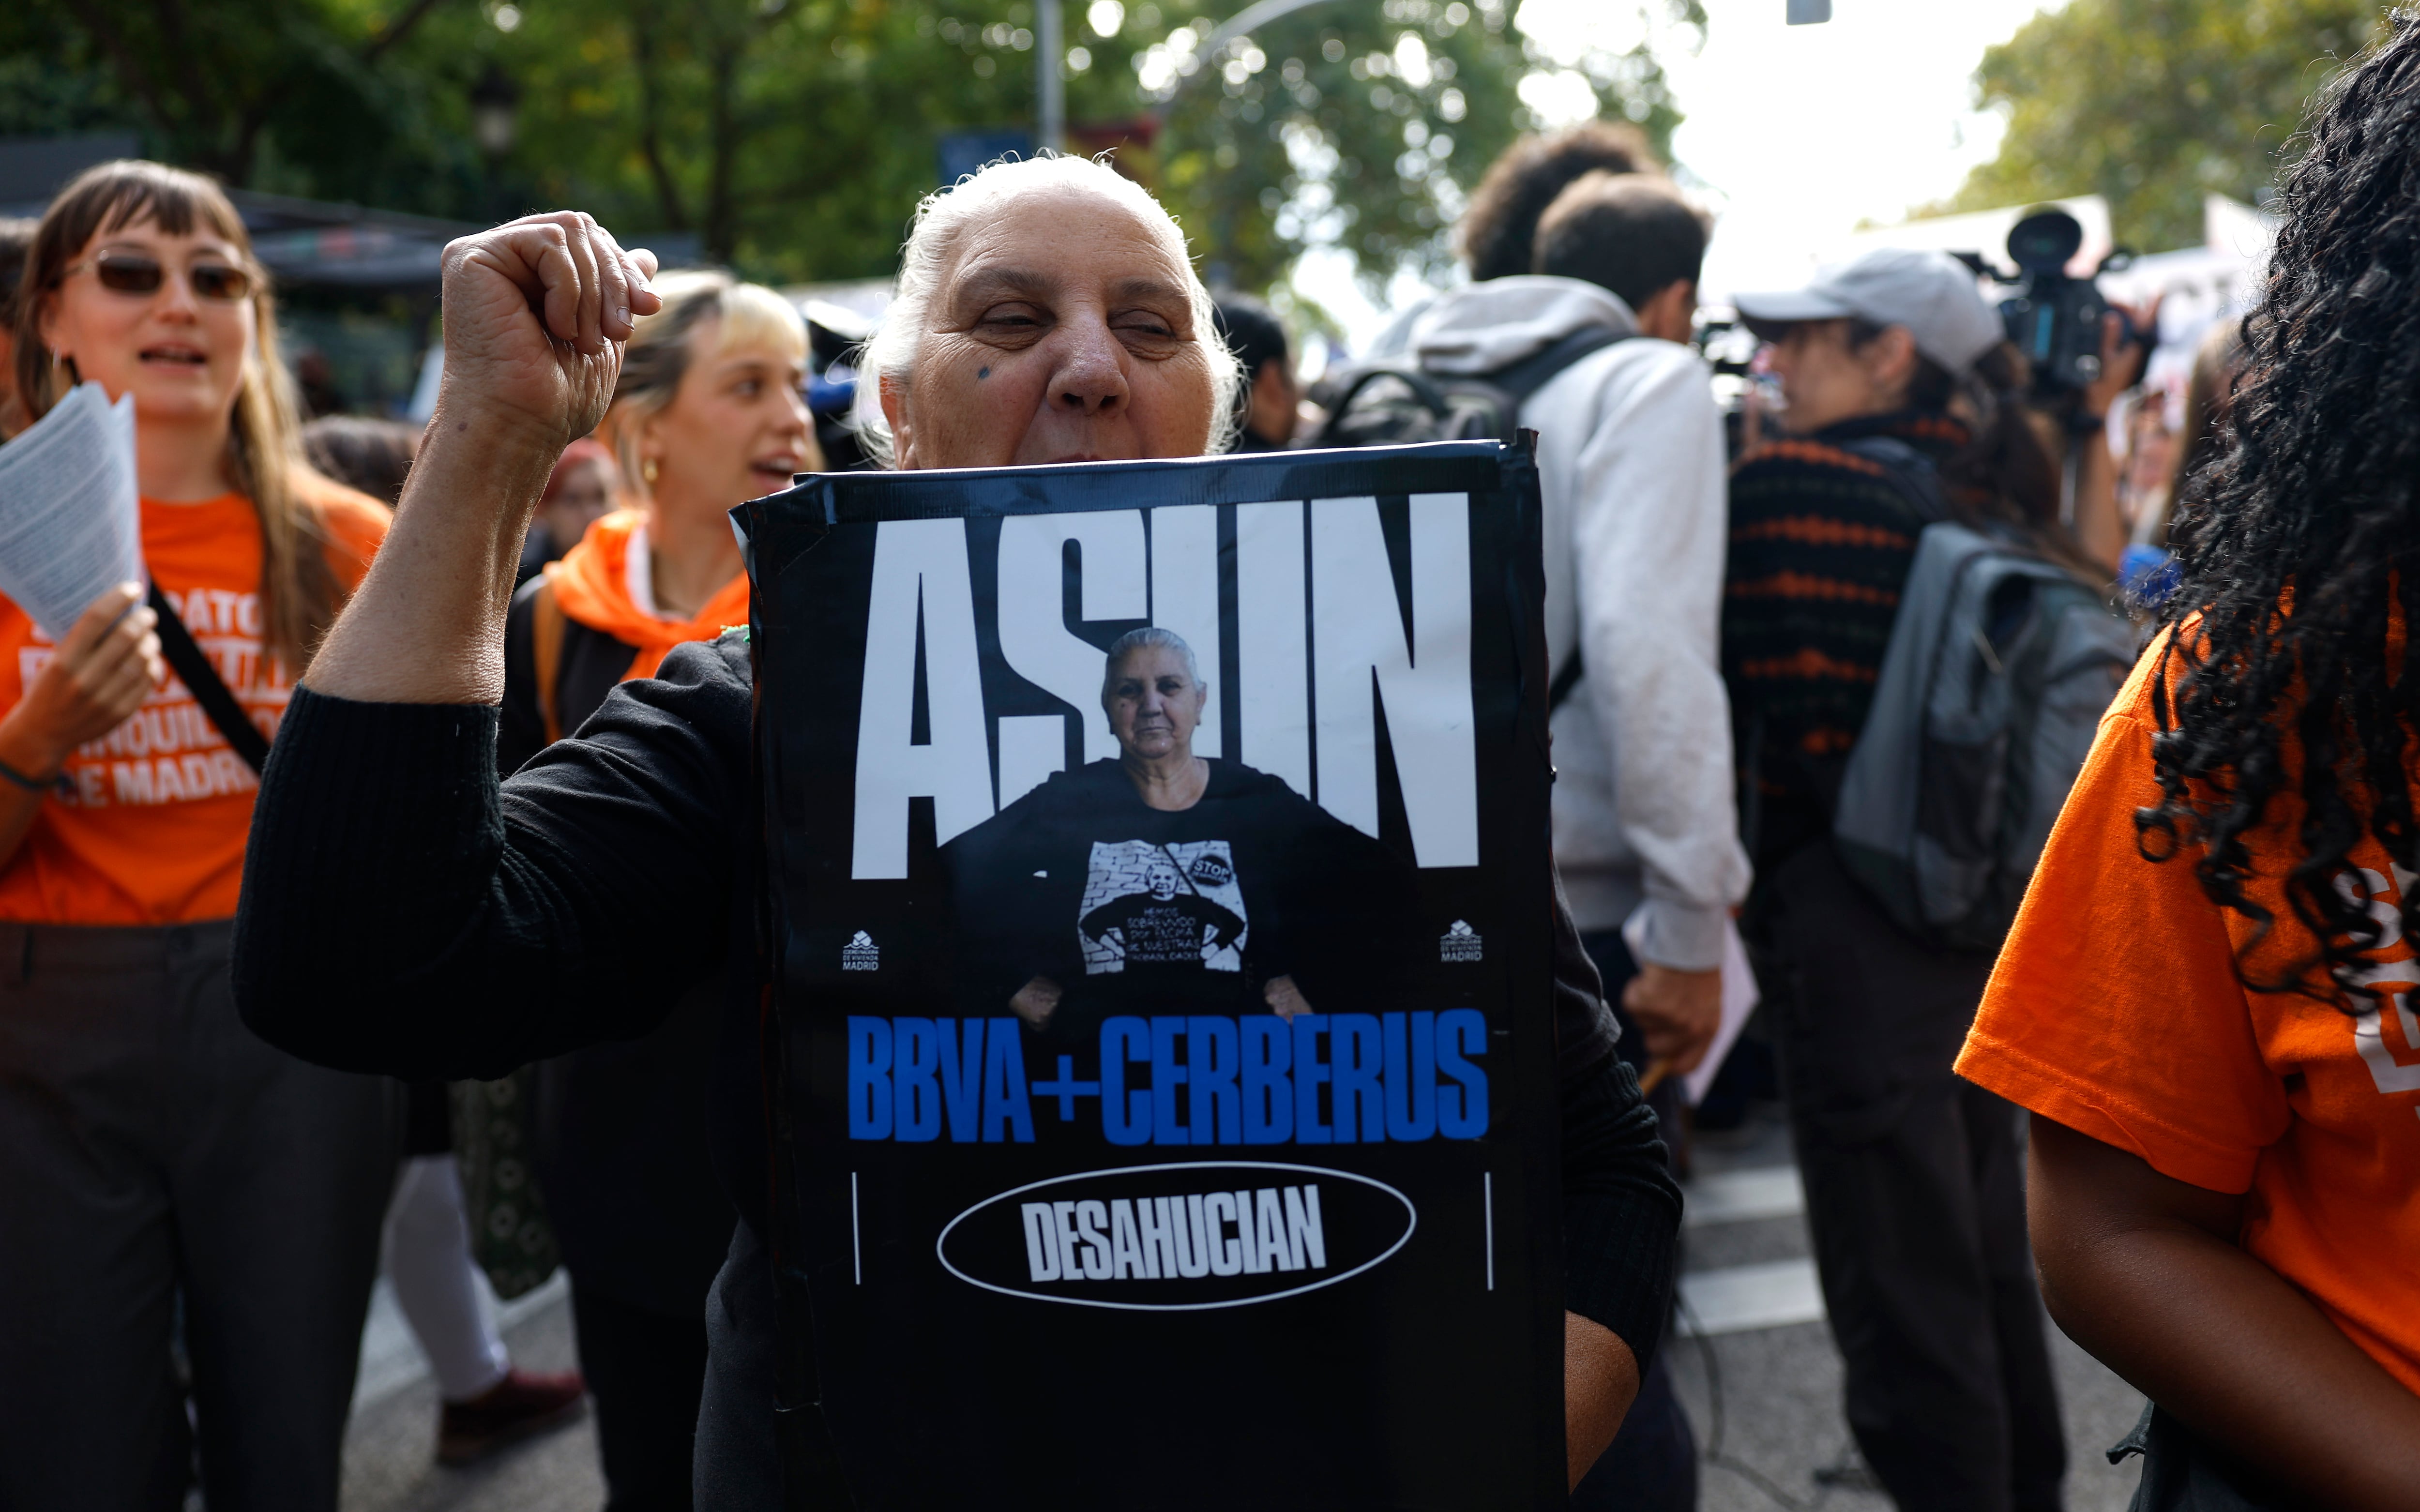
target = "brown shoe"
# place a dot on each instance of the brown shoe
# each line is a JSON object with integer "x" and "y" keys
{"x": 523, "y": 1405}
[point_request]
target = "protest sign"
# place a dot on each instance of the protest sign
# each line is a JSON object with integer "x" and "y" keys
{"x": 1159, "y": 915}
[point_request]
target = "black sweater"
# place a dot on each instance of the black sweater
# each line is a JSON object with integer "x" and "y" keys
{"x": 403, "y": 913}
{"x": 1820, "y": 544}
{"x": 619, "y": 1131}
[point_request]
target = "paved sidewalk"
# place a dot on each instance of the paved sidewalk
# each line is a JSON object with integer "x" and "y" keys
{"x": 1750, "y": 1281}
{"x": 390, "y": 1448}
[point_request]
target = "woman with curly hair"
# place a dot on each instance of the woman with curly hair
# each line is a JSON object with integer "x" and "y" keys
{"x": 2207, "y": 1000}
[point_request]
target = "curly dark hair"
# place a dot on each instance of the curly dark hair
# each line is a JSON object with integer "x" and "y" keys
{"x": 1500, "y": 228}
{"x": 2296, "y": 547}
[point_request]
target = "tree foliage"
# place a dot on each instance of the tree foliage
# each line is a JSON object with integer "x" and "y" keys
{"x": 1362, "y": 126}
{"x": 302, "y": 96}
{"x": 2155, "y": 104}
{"x": 793, "y": 137}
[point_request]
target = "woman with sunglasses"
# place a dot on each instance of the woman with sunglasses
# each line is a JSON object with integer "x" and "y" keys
{"x": 153, "y": 1151}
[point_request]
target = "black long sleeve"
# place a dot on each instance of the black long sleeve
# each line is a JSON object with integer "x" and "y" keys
{"x": 404, "y": 913}
{"x": 1621, "y": 1209}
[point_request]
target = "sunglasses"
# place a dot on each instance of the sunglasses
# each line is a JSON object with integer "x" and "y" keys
{"x": 127, "y": 272}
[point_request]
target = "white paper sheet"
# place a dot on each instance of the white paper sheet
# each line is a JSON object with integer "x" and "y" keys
{"x": 70, "y": 521}
{"x": 1740, "y": 994}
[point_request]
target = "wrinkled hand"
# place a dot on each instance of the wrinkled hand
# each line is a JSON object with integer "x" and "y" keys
{"x": 535, "y": 315}
{"x": 95, "y": 678}
{"x": 2122, "y": 361}
{"x": 1678, "y": 1012}
{"x": 1037, "y": 1000}
{"x": 1284, "y": 999}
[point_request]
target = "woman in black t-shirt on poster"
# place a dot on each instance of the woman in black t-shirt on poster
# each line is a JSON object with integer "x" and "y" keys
{"x": 1167, "y": 882}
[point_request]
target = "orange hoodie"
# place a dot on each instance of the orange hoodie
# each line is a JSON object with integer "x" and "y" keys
{"x": 592, "y": 583}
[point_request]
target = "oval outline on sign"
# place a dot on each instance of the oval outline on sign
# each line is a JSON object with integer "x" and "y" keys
{"x": 1411, "y": 1222}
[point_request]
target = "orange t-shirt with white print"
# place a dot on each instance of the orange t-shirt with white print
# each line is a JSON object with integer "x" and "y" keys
{"x": 2115, "y": 1009}
{"x": 154, "y": 833}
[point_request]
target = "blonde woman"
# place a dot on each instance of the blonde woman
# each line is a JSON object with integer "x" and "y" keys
{"x": 708, "y": 413}
{"x": 151, "y": 1149}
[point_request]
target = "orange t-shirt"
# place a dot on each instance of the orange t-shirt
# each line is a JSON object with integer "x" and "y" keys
{"x": 155, "y": 831}
{"x": 2116, "y": 1011}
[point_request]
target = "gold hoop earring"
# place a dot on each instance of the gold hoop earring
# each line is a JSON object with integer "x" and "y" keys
{"x": 647, "y": 470}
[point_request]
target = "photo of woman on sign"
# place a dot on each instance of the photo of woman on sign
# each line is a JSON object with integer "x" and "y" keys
{"x": 1162, "y": 881}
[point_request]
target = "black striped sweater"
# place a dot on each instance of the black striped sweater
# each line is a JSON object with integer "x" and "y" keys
{"x": 1820, "y": 544}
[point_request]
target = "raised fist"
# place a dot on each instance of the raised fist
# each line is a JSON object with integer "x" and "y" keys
{"x": 536, "y": 314}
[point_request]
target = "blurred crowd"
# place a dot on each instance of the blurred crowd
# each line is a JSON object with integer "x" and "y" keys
{"x": 1742, "y": 580}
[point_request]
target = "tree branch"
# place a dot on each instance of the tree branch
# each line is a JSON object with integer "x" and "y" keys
{"x": 721, "y": 216}
{"x": 650, "y": 137}
{"x": 136, "y": 79}
{"x": 402, "y": 28}
{"x": 174, "y": 31}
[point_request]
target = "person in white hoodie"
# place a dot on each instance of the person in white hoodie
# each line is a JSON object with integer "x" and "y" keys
{"x": 1630, "y": 453}
{"x": 1631, "y": 458}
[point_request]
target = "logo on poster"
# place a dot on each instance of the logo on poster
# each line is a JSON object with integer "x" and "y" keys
{"x": 1461, "y": 942}
{"x": 1190, "y": 1236}
{"x": 861, "y": 954}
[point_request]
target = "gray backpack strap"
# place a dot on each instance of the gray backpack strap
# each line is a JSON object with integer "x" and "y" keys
{"x": 1911, "y": 471}
{"x": 1534, "y": 372}
{"x": 1565, "y": 682}
{"x": 1520, "y": 380}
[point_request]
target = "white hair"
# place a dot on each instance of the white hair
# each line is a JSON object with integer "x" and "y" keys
{"x": 1149, "y": 638}
{"x": 890, "y": 355}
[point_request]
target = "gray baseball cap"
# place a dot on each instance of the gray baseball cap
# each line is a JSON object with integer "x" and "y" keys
{"x": 1931, "y": 293}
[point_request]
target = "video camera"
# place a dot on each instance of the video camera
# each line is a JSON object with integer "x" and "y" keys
{"x": 2053, "y": 319}
{"x": 1729, "y": 347}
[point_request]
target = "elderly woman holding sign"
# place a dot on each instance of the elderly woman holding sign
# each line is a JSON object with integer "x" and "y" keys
{"x": 1047, "y": 313}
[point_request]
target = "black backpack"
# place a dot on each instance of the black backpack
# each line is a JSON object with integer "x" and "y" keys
{"x": 1398, "y": 404}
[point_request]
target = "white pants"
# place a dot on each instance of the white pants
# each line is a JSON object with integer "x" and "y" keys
{"x": 444, "y": 1298}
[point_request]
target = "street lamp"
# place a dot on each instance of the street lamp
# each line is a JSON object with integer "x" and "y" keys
{"x": 1808, "y": 13}
{"x": 1051, "y": 113}
{"x": 493, "y": 102}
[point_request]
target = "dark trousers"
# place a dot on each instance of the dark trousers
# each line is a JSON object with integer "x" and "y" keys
{"x": 1915, "y": 1200}
{"x": 646, "y": 1373}
{"x": 152, "y": 1146}
{"x": 1651, "y": 1465}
